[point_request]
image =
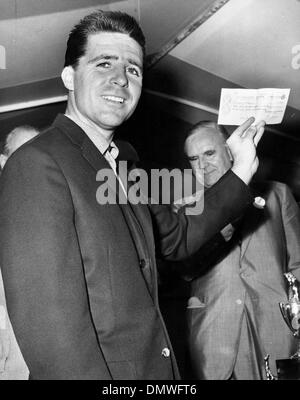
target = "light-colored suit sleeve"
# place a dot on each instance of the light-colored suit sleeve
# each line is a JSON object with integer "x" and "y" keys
{"x": 291, "y": 223}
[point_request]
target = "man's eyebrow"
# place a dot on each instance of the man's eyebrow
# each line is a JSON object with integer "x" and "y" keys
{"x": 102, "y": 57}
{"x": 137, "y": 64}
{"x": 113, "y": 57}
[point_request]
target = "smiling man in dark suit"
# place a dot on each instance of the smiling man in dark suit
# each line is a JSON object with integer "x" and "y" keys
{"x": 80, "y": 277}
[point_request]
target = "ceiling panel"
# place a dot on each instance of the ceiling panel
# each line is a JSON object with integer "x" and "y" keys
{"x": 24, "y": 8}
{"x": 254, "y": 43}
{"x": 161, "y": 20}
{"x": 35, "y": 45}
{"x": 35, "y": 41}
{"x": 247, "y": 43}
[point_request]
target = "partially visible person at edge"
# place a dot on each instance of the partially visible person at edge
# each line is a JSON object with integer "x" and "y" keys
{"x": 12, "y": 364}
{"x": 237, "y": 277}
{"x": 81, "y": 282}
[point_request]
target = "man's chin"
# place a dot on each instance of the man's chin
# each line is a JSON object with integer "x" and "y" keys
{"x": 210, "y": 183}
{"x": 112, "y": 122}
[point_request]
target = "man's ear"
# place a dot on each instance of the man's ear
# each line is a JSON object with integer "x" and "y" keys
{"x": 3, "y": 159}
{"x": 228, "y": 152}
{"x": 67, "y": 77}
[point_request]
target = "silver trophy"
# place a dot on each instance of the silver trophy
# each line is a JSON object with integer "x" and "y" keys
{"x": 289, "y": 368}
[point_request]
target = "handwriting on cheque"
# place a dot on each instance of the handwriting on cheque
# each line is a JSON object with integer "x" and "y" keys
{"x": 237, "y": 105}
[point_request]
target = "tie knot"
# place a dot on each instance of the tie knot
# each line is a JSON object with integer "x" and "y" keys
{"x": 113, "y": 151}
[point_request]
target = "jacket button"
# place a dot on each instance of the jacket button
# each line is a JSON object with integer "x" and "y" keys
{"x": 165, "y": 352}
{"x": 142, "y": 263}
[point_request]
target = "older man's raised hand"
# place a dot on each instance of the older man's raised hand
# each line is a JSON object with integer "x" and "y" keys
{"x": 242, "y": 144}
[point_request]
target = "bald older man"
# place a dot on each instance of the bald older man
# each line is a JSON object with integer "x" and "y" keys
{"x": 12, "y": 364}
{"x": 16, "y": 138}
{"x": 233, "y": 314}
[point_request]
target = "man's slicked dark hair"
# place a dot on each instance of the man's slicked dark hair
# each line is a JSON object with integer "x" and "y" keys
{"x": 100, "y": 21}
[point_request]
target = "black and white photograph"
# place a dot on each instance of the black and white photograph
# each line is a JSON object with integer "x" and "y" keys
{"x": 149, "y": 193}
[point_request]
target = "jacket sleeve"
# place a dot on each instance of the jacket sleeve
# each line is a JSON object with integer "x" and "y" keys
{"x": 291, "y": 223}
{"x": 181, "y": 235}
{"x": 42, "y": 271}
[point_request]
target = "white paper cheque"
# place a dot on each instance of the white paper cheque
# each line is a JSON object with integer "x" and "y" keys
{"x": 237, "y": 105}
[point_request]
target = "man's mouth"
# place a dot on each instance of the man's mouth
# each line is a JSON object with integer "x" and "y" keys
{"x": 114, "y": 99}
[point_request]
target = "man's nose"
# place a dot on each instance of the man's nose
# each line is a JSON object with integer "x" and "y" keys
{"x": 119, "y": 77}
{"x": 202, "y": 163}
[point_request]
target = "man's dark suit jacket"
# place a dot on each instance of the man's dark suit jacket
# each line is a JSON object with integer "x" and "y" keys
{"x": 80, "y": 278}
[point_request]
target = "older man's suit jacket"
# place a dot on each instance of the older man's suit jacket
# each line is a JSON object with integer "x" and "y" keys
{"x": 234, "y": 306}
{"x": 80, "y": 277}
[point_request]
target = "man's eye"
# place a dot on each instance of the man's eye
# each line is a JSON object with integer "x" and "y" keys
{"x": 104, "y": 64}
{"x": 210, "y": 153}
{"x": 133, "y": 71}
{"x": 193, "y": 158}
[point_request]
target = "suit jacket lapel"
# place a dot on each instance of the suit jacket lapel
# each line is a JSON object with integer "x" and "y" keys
{"x": 80, "y": 139}
{"x": 137, "y": 216}
{"x": 88, "y": 150}
{"x": 142, "y": 214}
{"x": 141, "y": 211}
{"x": 252, "y": 220}
{"x": 93, "y": 155}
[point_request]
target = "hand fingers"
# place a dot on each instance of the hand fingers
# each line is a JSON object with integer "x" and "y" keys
{"x": 260, "y": 131}
{"x": 250, "y": 132}
{"x": 255, "y": 132}
{"x": 242, "y": 128}
{"x": 260, "y": 124}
